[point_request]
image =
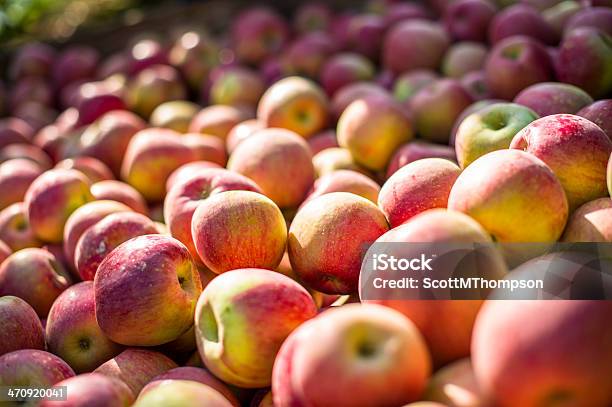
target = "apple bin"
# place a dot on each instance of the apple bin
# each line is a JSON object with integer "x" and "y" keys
{"x": 377, "y": 203}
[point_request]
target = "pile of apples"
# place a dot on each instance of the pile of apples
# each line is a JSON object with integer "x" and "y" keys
{"x": 183, "y": 222}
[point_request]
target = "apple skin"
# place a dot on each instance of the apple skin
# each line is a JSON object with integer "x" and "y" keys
{"x": 184, "y": 197}
{"x": 397, "y": 12}
{"x": 507, "y": 332}
{"x": 153, "y": 86}
{"x": 553, "y": 98}
{"x": 21, "y": 327}
{"x": 258, "y": 33}
{"x": 33, "y": 368}
{"x": 455, "y": 385}
{"x": 499, "y": 190}
{"x": 593, "y": 48}
{"x": 15, "y": 229}
{"x": 121, "y": 192}
{"x": 83, "y": 218}
{"x": 473, "y": 108}
{"x": 237, "y": 85}
{"x": 521, "y": 19}
{"x": 327, "y": 374}
{"x": 296, "y": 104}
{"x": 344, "y": 181}
{"x": 244, "y": 219}
{"x": 322, "y": 140}
{"x": 372, "y": 128}
{"x": 610, "y": 175}
{"x": 335, "y": 158}
{"x": 151, "y": 157}
{"x": 595, "y": 17}
{"x": 183, "y": 393}
{"x": 462, "y": 58}
{"x": 240, "y": 132}
{"x": 104, "y": 236}
{"x": 426, "y": 51}
{"x": 436, "y": 107}
{"x": 446, "y": 325}
{"x": 559, "y": 15}
{"x": 108, "y": 137}
{"x": 16, "y": 175}
{"x": 489, "y": 129}
{"x": 515, "y": 63}
{"x": 15, "y": 131}
{"x": 469, "y": 20}
{"x": 417, "y": 150}
{"x": 50, "y": 200}
{"x": 31, "y": 89}
{"x": 218, "y": 120}
{"x": 327, "y": 237}
{"x": 194, "y": 374}
{"x": 409, "y": 83}
{"x": 419, "y": 186}
{"x": 75, "y": 63}
{"x": 144, "y": 53}
{"x": 174, "y": 115}
{"x": 93, "y": 390}
{"x": 194, "y": 54}
{"x": 351, "y": 92}
{"x": 136, "y": 367}
{"x": 160, "y": 269}
{"x": 35, "y": 276}
{"x": 312, "y": 17}
{"x": 187, "y": 171}
{"x": 600, "y": 113}
{"x": 344, "y": 68}
{"x": 365, "y": 34}
{"x": 28, "y": 152}
{"x": 242, "y": 318}
{"x": 32, "y": 59}
{"x": 591, "y": 222}
{"x": 94, "y": 169}
{"x": 206, "y": 147}
{"x": 570, "y": 145}
{"x": 72, "y": 331}
{"x": 279, "y": 161}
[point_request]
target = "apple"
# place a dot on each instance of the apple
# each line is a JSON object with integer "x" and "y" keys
{"x": 15, "y": 229}
{"x": 600, "y": 113}
{"x": 93, "y": 389}
{"x": 610, "y": 175}
{"x": 242, "y": 318}
{"x": 94, "y": 169}
{"x": 73, "y": 64}
{"x": 15, "y": 131}
{"x": 455, "y": 386}
{"x": 474, "y": 107}
{"x": 559, "y": 15}
{"x": 253, "y": 229}
{"x": 50, "y": 200}
{"x": 258, "y": 33}
{"x": 121, "y": 192}
{"x": 240, "y": 132}
{"x": 188, "y": 170}
{"x": 366, "y": 355}
{"x": 237, "y": 86}
{"x": 35, "y": 276}
{"x": 31, "y": 89}
{"x": 515, "y": 63}
{"x": 218, "y": 120}
{"x": 174, "y": 115}
{"x": 194, "y": 374}
{"x": 594, "y": 17}
{"x": 436, "y": 107}
{"x": 396, "y": 12}
{"x": 462, "y": 58}
{"x": 421, "y": 185}
{"x": 365, "y": 34}
{"x": 409, "y": 83}
{"x": 16, "y": 175}
{"x": 507, "y": 333}
{"x": 372, "y": 128}
{"x": 593, "y": 48}
{"x": 322, "y": 140}
{"x": 206, "y": 147}
{"x": 591, "y": 222}
{"x": 469, "y": 20}
{"x": 553, "y": 98}
{"x": 97, "y": 241}
{"x": 153, "y": 86}
{"x": 296, "y": 104}
{"x": 327, "y": 238}
{"x": 32, "y": 59}
{"x": 446, "y": 325}
{"x": 568, "y": 144}
{"x": 184, "y": 393}
{"x": 94, "y": 99}
{"x": 72, "y": 331}
{"x": 5, "y": 251}
{"x": 417, "y": 150}
{"x": 344, "y": 68}
{"x": 521, "y": 19}
{"x": 344, "y": 181}
{"x": 194, "y": 54}
{"x": 21, "y": 328}
{"x": 152, "y": 155}
{"x": 424, "y": 50}
{"x": 514, "y": 195}
{"x": 32, "y": 368}
{"x": 335, "y": 158}
{"x": 136, "y": 367}
{"x": 351, "y": 92}
{"x": 280, "y": 163}
{"x": 489, "y": 129}
{"x": 145, "y": 53}
{"x": 312, "y": 17}
{"x": 28, "y": 152}
{"x": 159, "y": 271}
{"x": 185, "y": 196}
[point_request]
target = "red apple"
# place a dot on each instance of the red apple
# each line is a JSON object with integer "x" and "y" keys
{"x": 218, "y": 120}
{"x": 417, "y": 150}
{"x": 351, "y": 92}
{"x": 257, "y": 33}
{"x": 591, "y": 222}
{"x": 15, "y": 229}
{"x": 21, "y": 327}
{"x": 152, "y": 87}
{"x": 32, "y": 368}
{"x": 94, "y": 169}
{"x": 521, "y": 19}
{"x": 344, "y": 181}
{"x": 118, "y": 191}
{"x": 15, "y": 131}
{"x": 553, "y": 98}
{"x": 93, "y": 390}
{"x": 174, "y": 115}
{"x": 194, "y": 54}
{"x": 468, "y": 20}
{"x": 16, "y": 175}
{"x": 188, "y": 170}
{"x": 32, "y": 59}
{"x": 600, "y": 113}
{"x": 75, "y": 63}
